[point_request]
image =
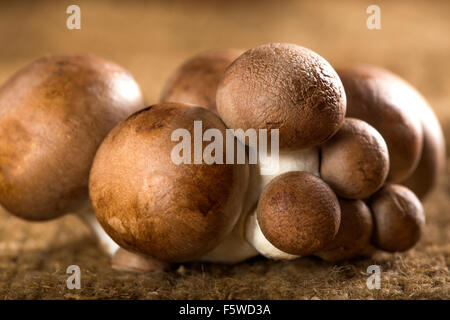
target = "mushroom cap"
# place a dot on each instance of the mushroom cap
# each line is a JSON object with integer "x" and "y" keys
{"x": 398, "y": 218}
{"x": 432, "y": 160}
{"x": 286, "y": 87}
{"x": 354, "y": 232}
{"x": 196, "y": 80}
{"x": 298, "y": 213}
{"x": 390, "y": 105}
{"x": 355, "y": 161}
{"x": 150, "y": 205}
{"x": 54, "y": 113}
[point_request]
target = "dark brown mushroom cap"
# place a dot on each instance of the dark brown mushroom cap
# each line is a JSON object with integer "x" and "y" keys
{"x": 432, "y": 161}
{"x": 53, "y": 115}
{"x": 298, "y": 213}
{"x": 196, "y": 80}
{"x": 355, "y": 161}
{"x": 150, "y": 205}
{"x": 354, "y": 232}
{"x": 286, "y": 87}
{"x": 389, "y": 104}
{"x": 398, "y": 218}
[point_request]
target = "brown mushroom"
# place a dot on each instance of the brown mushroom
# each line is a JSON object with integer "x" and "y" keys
{"x": 286, "y": 87}
{"x": 298, "y": 213}
{"x": 149, "y": 204}
{"x": 390, "y": 105}
{"x": 354, "y": 232}
{"x": 195, "y": 81}
{"x": 398, "y": 218}
{"x": 53, "y": 115}
{"x": 355, "y": 161}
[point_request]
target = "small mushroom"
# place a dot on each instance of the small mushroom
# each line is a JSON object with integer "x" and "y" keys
{"x": 54, "y": 113}
{"x": 390, "y": 105}
{"x": 297, "y": 213}
{"x": 150, "y": 205}
{"x": 355, "y": 230}
{"x": 196, "y": 80}
{"x": 355, "y": 161}
{"x": 286, "y": 87}
{"x": 398, "y": 218}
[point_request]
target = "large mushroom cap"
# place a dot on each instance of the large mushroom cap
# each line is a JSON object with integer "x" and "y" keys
{"x": 286, "y": 87}
{"x": 390, "y": 105}
{"x": 298, "y": 213}
{"x": 355, "y": 161}
{"x": 150, "y": 205}
{"x": 196, "y": 80}
{"x": 53, "y": 115}
{"x": 398, "y": 218}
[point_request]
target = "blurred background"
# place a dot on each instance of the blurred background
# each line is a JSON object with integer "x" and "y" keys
{"x": 150, "y": 39}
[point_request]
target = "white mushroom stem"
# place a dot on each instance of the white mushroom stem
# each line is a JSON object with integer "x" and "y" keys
{"x": 86, "y": 214}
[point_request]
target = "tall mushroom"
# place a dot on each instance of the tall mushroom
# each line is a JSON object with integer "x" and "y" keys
{"x": 54, "y": 113}
{"x": 151, "y": 203}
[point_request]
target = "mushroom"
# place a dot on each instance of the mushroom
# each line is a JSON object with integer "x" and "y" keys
{"x": 286, "y": 87}
{"x": 54, "y": 113}
{"x": 355, "y": 161}
{"x": 151, "y": 205}
{"x": 297, "y": 213}
{"x": 398, "y": 218}
{"x": 390, "y": 105}
{"x": 196, "y": 80}
{"x": 432, "y": 161}
{"x": 355, "y": 230}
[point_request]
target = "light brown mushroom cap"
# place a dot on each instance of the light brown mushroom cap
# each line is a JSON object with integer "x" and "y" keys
{"x": 390, "y": 105}
{"x": 432, "y": 161}
{"x": 53, "y": 115}
{"x": 398, "y": 218}
{"x": 354, "y": 232}
{"x": 196, "y": 80}
{"x": 355, "y": 161}
{"x": 286, "y": 87}
{"x": 298, "y": 213}
{"x": 150, "y": 205}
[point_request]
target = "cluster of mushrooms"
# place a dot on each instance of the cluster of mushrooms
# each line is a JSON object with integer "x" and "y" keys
{"x": 358, "y": 148}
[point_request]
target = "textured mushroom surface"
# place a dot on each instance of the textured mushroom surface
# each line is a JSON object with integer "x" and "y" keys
{"x": 355, "y": 161}
{"x": 354, "y": 232}
{"x": 398, "y": 218}
{"x": 390, "y": 105}
{"x": 196, "y": 80}
{"x": 298, "y": 213}
{"x": 286, "y": 87}
{"x": 149, "y": 204}
{"x": 53, "y": 115}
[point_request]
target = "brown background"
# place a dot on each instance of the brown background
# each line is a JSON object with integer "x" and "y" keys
{"x": 151, "y": 39}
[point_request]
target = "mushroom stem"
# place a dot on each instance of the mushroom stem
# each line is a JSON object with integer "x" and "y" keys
{"x": 86, "y": 214}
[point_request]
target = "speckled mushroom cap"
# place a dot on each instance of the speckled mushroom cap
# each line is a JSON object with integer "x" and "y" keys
{"x": 298, "y": 213}
{"x": 286, "y": 87}
{"x": 53, "y": 115}
{"x": 390, "y": 105}
{"x": 354, "y": 232}
{"x": 355, "y": 161}
{"x": 398, "y": 218}
{"x": 432, "y": 160}
{"x": 150, "y": 205}
{"x": 196, "y": 80}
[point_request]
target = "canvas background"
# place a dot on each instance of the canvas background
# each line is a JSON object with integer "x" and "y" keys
{"x": 151, "y": 39}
